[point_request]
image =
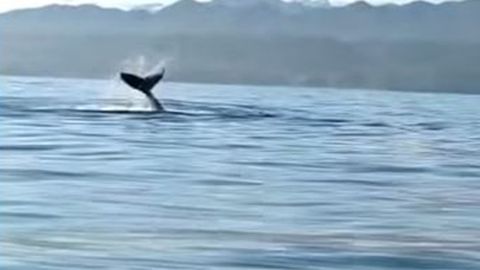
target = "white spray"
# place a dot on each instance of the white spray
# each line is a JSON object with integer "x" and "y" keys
{"x": 119, "y": 96}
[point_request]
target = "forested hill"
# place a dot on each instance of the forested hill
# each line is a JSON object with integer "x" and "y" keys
{"x": 418, "y": 46}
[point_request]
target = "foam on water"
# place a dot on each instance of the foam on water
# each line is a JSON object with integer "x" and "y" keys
{"x": 114, "y": 108}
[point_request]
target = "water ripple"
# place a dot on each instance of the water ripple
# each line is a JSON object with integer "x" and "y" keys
{"x": 236, "y": 178}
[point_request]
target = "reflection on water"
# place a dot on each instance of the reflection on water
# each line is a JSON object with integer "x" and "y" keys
{"x": 237, "y": 177}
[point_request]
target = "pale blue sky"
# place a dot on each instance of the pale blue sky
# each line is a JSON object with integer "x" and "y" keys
{"x": 15, "y": 4}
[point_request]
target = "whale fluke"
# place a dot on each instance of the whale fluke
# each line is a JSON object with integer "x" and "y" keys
{"x": 145, "y": 85}
{"x": 142, "y": 84}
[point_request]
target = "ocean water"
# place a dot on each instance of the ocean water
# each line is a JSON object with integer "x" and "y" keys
{"x": 236, "y": 177}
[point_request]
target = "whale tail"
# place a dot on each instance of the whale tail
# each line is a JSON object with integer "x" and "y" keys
{"x": 145, "y": 85}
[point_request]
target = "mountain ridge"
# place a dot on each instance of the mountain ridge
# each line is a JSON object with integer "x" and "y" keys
{"x": 417, "y": 46}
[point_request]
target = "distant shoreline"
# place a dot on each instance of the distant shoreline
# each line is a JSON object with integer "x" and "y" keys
{"x": 415, "y": 47}
{"x": 253, "y": 85}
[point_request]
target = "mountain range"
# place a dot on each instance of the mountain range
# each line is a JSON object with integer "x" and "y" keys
{"x": 418, "y": 46}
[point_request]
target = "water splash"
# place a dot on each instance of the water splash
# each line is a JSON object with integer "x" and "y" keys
{"x": 119, "y": 97}
{"x": 140, "y": 65}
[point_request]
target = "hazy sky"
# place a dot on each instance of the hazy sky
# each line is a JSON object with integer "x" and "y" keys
{"x": 15, "y": 4}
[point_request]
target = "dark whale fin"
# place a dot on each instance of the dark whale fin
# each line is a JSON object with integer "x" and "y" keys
{"x": 144, "y": 85}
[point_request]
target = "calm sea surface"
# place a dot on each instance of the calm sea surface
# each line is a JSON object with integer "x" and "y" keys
{"x": 236, "y": 177}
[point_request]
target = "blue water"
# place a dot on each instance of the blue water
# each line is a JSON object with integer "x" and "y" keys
{"x": 236, "y": 177}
